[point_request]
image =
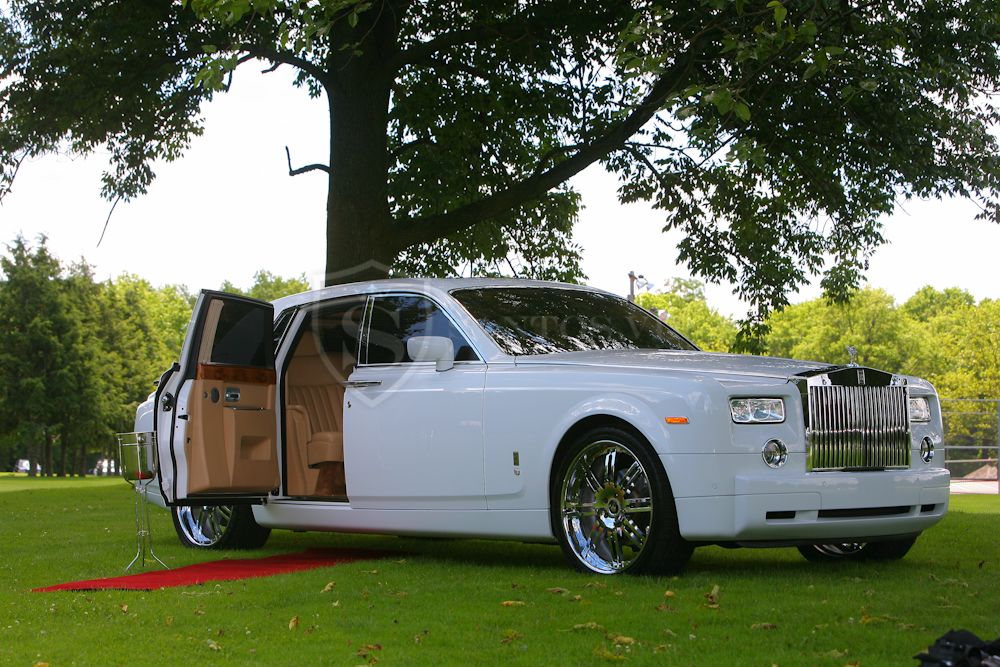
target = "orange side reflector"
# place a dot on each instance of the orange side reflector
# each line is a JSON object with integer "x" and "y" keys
{"x": 677, "y": 420}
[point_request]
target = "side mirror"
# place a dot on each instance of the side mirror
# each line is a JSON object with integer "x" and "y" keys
{"x": 438, "y": 349}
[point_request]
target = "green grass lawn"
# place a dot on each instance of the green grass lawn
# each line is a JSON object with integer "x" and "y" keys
{"x": 443, "y": 601}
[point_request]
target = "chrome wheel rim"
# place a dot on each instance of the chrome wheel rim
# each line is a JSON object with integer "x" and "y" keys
{"x": 844, "y": 550}
{"x": 607, "y": 507}
{"x": 204, "y": 526}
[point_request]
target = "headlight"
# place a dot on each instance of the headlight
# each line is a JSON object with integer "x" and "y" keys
{"x": 757, "y": 410}
{"x": 920, "y": 409}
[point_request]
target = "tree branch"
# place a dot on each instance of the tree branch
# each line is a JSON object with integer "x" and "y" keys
{"x": 284, "y": 57}
{"x": 308, "y": 167}
{"x": 430, "y": 228}
{"x": 424, "y": 50}
{"x": 276, "y": 56}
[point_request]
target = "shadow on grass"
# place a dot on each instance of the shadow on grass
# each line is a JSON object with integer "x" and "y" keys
{"x": 956, "y": 542}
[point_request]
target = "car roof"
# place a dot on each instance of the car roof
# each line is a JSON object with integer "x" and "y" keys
{"x": 431, "y": 286}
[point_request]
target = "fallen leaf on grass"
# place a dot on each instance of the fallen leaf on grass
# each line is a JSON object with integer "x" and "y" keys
{"x": 370, "y": 571}
{"x": 556, "y": 591}
{"x": 621, "y": 640}
{"x": 576, "y": 598}
{"x": 763, "y": 626}
{"x": 294, "y": 623}
{"x": 168, "y": 621}
{"x": 835, "y": 654}
{"x": 329, "y": 587}
{"x": 512, "y": 603}
{"x": 124, "y": 608}
{"x": 199, "y": 612}
{"x": 509, "y": 636}
{"x": 590, "y": 625}
{"x": 605, "y": 654}
{"x": 213, "y": 645}
{"x": 669, "y": 594}
{"x": 368, "y": 653}
{"x": 713, "y": 597}
{"x": 336, "y": 603}
{"x": 867, "y": 619}
{"x": 595, "y": 584}
{"x": 664, "y": 607}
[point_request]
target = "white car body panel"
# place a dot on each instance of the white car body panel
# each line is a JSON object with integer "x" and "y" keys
{"x": 416, "y": 440}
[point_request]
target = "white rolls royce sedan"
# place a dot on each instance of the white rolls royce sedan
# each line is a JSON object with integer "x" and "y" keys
{"x": 532, "y": 411}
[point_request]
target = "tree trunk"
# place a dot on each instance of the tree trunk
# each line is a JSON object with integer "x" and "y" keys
{"x": 31, "y": 457}
{"x": 47, "y": 454}
{"x": 358, "y": 220}
{"x": 62, "y": 455}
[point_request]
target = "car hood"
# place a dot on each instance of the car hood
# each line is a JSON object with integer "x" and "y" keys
{"x": 680, "y": 360}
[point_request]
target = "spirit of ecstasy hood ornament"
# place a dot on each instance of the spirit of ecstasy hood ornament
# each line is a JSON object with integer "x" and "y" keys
{"x": 853, "y": 351}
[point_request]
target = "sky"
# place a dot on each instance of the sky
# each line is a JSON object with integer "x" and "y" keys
{"x": 228, "y": 208}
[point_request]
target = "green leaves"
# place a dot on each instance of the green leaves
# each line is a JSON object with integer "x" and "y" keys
{"x": 779, "y": 12}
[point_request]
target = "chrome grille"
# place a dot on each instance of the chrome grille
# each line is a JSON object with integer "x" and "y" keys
{"x": 858, "y": 428}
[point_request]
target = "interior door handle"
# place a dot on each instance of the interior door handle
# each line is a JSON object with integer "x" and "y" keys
{"x": 362, "y": 383}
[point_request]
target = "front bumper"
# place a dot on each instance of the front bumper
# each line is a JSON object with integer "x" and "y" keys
{"x": 813, "y": 506}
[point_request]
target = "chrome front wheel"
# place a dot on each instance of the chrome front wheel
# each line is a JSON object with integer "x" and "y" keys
{"x": 612, "y": 507}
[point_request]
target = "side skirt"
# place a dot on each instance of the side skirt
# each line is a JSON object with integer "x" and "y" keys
{"x": 524, "y": 525}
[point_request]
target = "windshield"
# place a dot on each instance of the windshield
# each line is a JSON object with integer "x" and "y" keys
{"x": 539, "y": 320}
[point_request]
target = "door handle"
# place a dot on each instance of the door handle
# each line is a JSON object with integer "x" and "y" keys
{"x": 362, "y": 383}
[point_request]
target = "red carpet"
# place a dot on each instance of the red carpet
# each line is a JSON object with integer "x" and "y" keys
{"x": 223, "y": 570}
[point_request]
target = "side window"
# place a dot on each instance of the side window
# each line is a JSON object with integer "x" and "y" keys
{"x": 281, "y": 325}
{"x": 336, "y": 325}
{"x": 396, "y": 319}
{"x": 232, "y": 335}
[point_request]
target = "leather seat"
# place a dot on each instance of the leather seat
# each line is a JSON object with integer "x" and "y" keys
{"x": 315, "y": 410}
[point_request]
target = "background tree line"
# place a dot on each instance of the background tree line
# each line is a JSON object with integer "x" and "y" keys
{"x": 77, "y": 355}
{"x": 942, "y": 335}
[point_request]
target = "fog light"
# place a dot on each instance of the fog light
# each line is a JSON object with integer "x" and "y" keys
{"x": 774, "y": 453}
{"x": 926, "y": 450}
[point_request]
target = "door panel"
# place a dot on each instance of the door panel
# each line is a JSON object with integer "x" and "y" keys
{"x": 216, "y": 430}
{"x": 413, "y": 436}
{"x": 413, "y": 439}
{"x": 246, "y": 461}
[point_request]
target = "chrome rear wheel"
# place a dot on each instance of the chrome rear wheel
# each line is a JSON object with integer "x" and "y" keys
{"x": 218, "y": 527}
{"x": 843, "y": 551}
{"x": 204, "y": 526}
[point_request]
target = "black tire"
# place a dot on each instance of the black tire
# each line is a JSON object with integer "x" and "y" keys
{"x": 856, "y": 551}
{"x": 612, "y": 508}
{"x": 218, "y": 527}
{"x": 891, "y": 550}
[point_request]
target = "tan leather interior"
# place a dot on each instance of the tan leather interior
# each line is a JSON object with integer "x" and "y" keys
{"x": 314, "y": 413}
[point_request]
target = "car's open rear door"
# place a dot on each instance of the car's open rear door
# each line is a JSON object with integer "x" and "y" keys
{"x": 215, "y": 415}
